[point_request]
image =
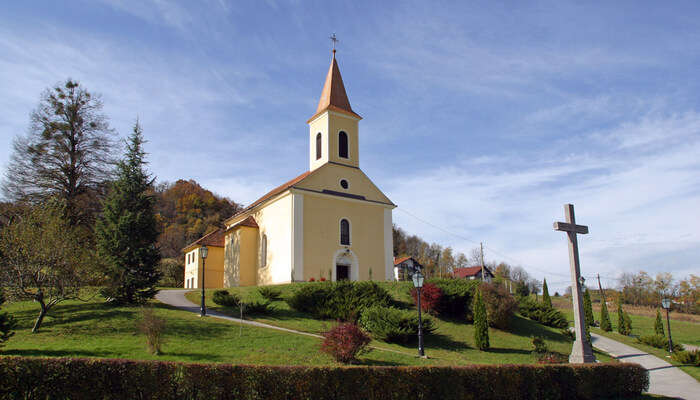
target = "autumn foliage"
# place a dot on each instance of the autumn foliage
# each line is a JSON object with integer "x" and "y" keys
{"x": 430, "y": 297}
{"x": 344, "y": 342}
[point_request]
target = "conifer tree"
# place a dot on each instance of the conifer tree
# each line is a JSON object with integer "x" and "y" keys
{"x": 605, "y": 317}
{"x": 588, "y": 308}
{"x": 659, "y": 325}
{"x": 7, "y": 323}
{"x": 624, "y": 323}
{"x": 127, "y": 233}
{"x": 481, "y": 325}
{"x": 546, "y": 300}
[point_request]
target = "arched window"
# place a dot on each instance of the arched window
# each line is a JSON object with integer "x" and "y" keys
{"x": 263, "y": 251}
{"x": 343, "y": 144}
{"x": 318, "y": 145}
{"x": 344, "y": 232}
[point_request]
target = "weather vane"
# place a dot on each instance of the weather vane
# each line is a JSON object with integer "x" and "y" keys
{"x": 334, "y": 40}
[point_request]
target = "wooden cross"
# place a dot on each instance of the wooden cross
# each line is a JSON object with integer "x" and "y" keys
{"x": 581, "y": 351}
{"x": 334, "y": 40}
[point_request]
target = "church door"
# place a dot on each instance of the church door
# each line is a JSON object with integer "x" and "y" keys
{"x": 342, "y": 272}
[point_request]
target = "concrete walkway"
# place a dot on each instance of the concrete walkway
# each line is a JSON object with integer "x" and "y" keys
{"x": 664, "y": 378}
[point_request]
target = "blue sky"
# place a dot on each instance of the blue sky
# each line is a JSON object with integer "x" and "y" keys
{"x": 482, "y": 119}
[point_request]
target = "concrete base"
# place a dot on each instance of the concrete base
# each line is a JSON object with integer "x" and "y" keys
{"x": 581, "y": 353}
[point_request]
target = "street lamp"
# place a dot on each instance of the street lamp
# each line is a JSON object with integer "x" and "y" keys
{"x": 666, "y": 303}
{"x": 203, "y": 307}
{"x": 418, "y": 283}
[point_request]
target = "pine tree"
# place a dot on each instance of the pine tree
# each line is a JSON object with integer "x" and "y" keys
{"x": 7, "y": 323}
{"x": 659, "y": 324}
{"x": 546, "y": 300}
{"x": 588, "y": 308}
{"x": 624, "y": 323}
{"x": 605, "y": 317}
{"x": 481, "y": 325}
{"x": 126, "y": 232}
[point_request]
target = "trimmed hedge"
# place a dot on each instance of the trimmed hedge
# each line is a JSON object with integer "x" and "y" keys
{"x": 342, "y": 300}
{"x": 393, "y": 325}
{"x": 539, "y": 312}
{"x": 61, "y": 378}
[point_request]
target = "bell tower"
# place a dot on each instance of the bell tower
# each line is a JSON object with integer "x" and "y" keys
{"x": 333, "y": 129}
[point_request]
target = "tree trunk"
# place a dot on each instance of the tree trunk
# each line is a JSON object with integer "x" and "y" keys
{"x": 42, "y": 313}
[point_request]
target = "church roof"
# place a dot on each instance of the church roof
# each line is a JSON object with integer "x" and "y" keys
{"x": 250, "y": 221}
{"x": 214, "y": 238}
{"x": 333, "y": 96}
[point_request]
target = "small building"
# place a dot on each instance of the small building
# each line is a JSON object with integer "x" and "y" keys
{"x": 405, "y": 267}
{"x": 474, "y": 273}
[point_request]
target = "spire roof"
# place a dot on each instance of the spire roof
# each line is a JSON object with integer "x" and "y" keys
{"x": 333, "y": 96}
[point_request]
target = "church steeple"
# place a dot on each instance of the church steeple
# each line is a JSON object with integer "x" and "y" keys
{"x": 333, "y": 95}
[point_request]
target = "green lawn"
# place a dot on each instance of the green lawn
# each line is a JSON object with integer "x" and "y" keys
{"x": 452, "y": 343}
{"x": 681, "y": 332}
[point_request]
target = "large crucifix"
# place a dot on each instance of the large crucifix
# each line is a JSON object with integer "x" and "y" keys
{"x": 581, "y": 352}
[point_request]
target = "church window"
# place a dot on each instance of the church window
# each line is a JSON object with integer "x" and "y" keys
{"x": 344, "y": 184}
{"x": 343, "y": 144}
{"x": 263, "y": 251}
{"x": 344, "y": 232}
{"x": 318, "y": 145}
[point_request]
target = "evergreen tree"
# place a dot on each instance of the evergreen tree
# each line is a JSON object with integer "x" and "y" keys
{"x": 7, "y": 323}
{"x": 546, "y": 300}
{"x": 481, "y": 325}
{"x": 624, "y": 323}
{"x": 588, "y": 308}
{"x": 126, "y": 232}
{"x": 659, "y": 325}
{"x": 605, "y": 317}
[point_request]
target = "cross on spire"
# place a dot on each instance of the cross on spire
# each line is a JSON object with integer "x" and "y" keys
{"x": 334, "y": 40}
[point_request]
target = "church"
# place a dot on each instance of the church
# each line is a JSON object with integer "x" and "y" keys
{"x": 329, "y": 223}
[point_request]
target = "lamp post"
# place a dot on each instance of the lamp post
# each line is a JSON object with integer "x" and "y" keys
{"x": 666, "y": 303}
{"x": 418, "y": 283}
{"x": 203, "y": 307}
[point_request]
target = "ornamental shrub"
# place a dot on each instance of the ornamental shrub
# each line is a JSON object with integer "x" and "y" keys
{"x": 393, "y": 325}
{"x": 538, "y": 312}
{"x": 153, "y": 327}
{"x": 258, "y": 307}
{"x": 539, "y": 345}
{"x": 344, "y": 342}
{"x": 605, "y": 317}
{"x": 457, "y": 295}
{"x": 546, "y": 300}
{"x": 500, "y": 304}
{"x": 270, "y": 294}
{"x": 658, "y": 324}
{"x": 430, "y": 297}
{"x": 657, "y": 341}
{"x": 226, "y": 299}
{"x": 687, "y": 357}
{"x": 481, "y": 324}
{"x": 338, "y": 300}
{"x": 624, "y": 322}
{"x": 109, "y": 379}
{"x": 588, "y": 308}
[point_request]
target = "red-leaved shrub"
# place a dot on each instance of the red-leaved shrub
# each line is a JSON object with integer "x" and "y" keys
{"x": 322, "y": 279}
{"x": 345, "y": 341}
{"x": 312, "y": 279}
{"x": 430, "y": 296}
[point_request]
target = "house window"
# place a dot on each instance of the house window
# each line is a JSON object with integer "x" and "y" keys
{"x": 343, "y": 144}
{"x": 318, "y": 145}
{"x": 263, "y": 251}
{"x": 345, "y": 232}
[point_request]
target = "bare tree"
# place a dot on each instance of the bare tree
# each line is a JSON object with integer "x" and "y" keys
{"x": 67, "y": 153}
{"x": 43, "y": 258}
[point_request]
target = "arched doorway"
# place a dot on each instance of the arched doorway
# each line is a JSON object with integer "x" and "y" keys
{"x": 345, "y": 266}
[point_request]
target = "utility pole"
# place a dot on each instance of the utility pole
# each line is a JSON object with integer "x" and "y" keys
{"x": 481, "y": 244}
{"x": 602, "y": 293}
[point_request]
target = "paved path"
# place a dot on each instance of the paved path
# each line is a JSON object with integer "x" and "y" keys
{"x": 664, "y": 378}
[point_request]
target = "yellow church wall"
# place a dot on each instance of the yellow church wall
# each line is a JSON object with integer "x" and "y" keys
{"x": 329, "y": 176}
{"x": 248, "y": 239}
{"x": 322, "y": 215}
{"x": 275, "y": 221}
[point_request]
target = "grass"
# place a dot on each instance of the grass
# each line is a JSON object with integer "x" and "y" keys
{"x": 681, "y": 332}
{"x": 451, "y": 344}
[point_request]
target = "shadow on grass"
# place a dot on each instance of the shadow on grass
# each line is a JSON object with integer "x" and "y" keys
{"x": 436, "y": 340}
{"x": 378, "y": 363}
{"x": 521, "y": 326}
{"x": 498, "y": 350}
{"x": 57, "y": 353}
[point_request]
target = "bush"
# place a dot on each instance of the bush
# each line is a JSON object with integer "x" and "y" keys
{"x": 588, "y": 308}
{"x": 624, "y": 323}
{"x": 687, "y": 357}
{"x": 500, "y": 305}
{"x": 7, "y": 323}
{"x": 457, "y": 295}
{"x": 270, "y": 294}
{"x": 338, "y": 300}
{"x": 539, "y": 312}
{"x": 481, "y": 325}
{"x": 344, "y": 342}
{"x": 658, "y": 324}
{"x": 106, "y": 379}
{"x": 539, "y": 345}
{"x": 226, "y": 299}
{"x": 258, "y": 307}
{"x": 153, "y": 327}
{"x": 605, "y": 317}
{"x": 430, "y": 296}
{"x": 393, "y": 325}
{"x": 658, "y": 341}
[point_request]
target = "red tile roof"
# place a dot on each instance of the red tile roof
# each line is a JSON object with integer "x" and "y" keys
{"x": 398, "y": 261}
{"x": 470, "y": 271}
{"x": 333, "y": 95}
{"x": 214, "y": 238}
{"x": 250, "y": 221}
